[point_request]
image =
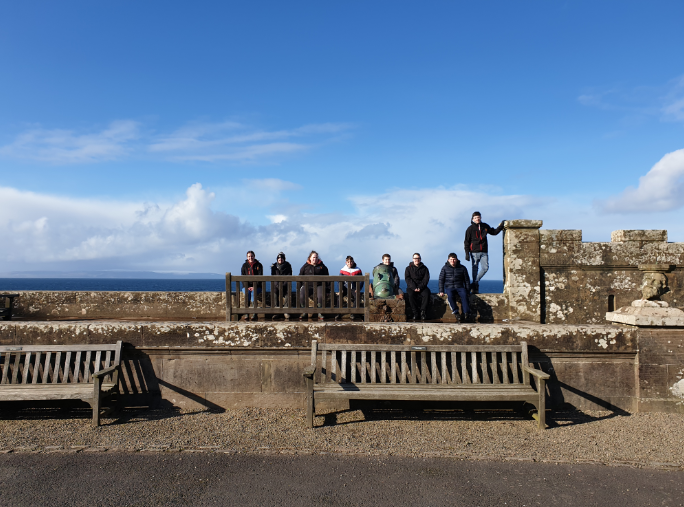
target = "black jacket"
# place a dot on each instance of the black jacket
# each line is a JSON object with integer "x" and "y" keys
{"x": 310, "y": 270}
{"x": 417, "y": 277}
{"x": 456, "y": 277}
{"x": 476, "y": 236}
{"x": 284, "y": 269}
{"x": 395, "y": 274}
{"x": 256, "y": 269}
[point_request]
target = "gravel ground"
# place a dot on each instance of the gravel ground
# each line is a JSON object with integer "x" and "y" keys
{"x": 649, "y": 439}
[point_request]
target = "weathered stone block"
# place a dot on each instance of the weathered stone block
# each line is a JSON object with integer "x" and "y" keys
{"x": 638, "y": 235}
{"x": 106, "y": 332}
{"x": 31, "y": 333}
{"x": 551, "y": 236}
{"x": 7, "y": 333}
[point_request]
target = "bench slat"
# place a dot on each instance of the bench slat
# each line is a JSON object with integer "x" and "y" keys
{"x": 383, "y": 367}
{"x": 55, "y": 370}
{"x": 55, "y": 348}
{"x": 504, "y": 367}
{"x": 36, "y": 368}
{"x": 15, "y": 370}
{"x": 429, "y": 348}
{"x": 516, "y": 378}
{"x": 67, "y": 368}
{"x": 372, "y": 370}
{"x": 352, "y": 364}
{"x": 343, "y": 373}
{"x": 27, "y": 364}
{"x": 77, "y": 367}
{"x": 363, "y": 367}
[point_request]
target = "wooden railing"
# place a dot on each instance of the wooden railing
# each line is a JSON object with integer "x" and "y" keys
{"x": 292, "y": 301}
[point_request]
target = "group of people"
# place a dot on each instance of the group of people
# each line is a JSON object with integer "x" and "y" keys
{"x": 454, "y": 278}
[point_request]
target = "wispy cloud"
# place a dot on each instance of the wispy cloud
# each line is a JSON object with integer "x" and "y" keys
{"x": 227, "y": 141}
{"x": 58, "y": 146}
{"x": 231, "y": 141}
{"x": 661, "y": 189}
{"x": 665, "y": 101}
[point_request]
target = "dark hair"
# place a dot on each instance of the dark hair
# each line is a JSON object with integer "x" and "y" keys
{"x": 349, "y": 258}
{"x": 251, "y": 252}
{"x": 386, "y": 255}
{"x": 476, "y": 214}
{"x": 417, "y": 255}
{"x": 453, "y": 255}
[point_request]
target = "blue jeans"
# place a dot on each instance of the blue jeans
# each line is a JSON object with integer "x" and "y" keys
{"x": 480, "y": 259}
{"x": 451, "y": 295}
{"x": 248, "y": 295}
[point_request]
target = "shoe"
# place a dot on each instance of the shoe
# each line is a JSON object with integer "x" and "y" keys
{"x": 301, "y": 317}
{"x": 337, "y": 318}
{"x": 320, "y": 316}
{"x": 413, "y": 319}
{"x": 287, "y": 316}
{"x": 422, "y": 316}
{"x": 351, "y": 316}
{"x": 474, "y": 289}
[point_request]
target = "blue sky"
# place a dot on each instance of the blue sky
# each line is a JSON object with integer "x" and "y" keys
{"x": 173, "y": 136}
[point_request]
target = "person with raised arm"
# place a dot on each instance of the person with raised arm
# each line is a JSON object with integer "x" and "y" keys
{"x": 476, "y": 247}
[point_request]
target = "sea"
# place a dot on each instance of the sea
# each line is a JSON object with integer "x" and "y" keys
{"x": 161, "y": 285}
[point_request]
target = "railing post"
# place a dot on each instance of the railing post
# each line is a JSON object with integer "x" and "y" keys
{"x": 366, "y": 299}
{"x": 229, "y": 298}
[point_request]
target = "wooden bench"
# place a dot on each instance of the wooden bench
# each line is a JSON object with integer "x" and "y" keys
{"x": 423, "y": 373}
{"x": 60, "y": 372}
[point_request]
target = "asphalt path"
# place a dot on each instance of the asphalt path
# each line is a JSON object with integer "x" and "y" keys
{"x": 224, "y": 479}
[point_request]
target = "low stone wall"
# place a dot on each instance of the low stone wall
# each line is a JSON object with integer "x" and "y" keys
{"x": 260, "y": 364}
{"x": 208, "y": 306}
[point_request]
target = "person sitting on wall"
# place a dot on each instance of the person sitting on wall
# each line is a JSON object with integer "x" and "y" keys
{"x": 350, "y": 269}
{"x": 281, "y": 268}
{"x": 476, "y": 247}
{"x": 251, "y": 267}
{"x": 454, "y": 279}
{"x": 417, "y": 277}
{"x": 396, "y": 290}
{"x": 313, "y": 266}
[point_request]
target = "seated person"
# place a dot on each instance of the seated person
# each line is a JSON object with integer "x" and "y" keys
{"x": 313, "y": 266}
{"x": 281, "y": 268}
{"x": 454, "y": 279}
{"x": 417, "y": 277}
{"x": 350, "y": 269}
{"x": 251, "y": 267}
{"x": 393, "y": 290}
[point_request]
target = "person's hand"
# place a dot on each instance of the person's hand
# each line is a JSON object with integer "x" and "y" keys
{"x": 416, "y": 290}
{"x": 501, "y": 223}
{"x": 440, "y": 294}
{"x": 400, "y": 296}
{"x": 467, "y": 255}
{"x": 250, "y": 289}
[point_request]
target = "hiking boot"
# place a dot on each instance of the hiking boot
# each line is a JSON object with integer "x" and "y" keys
{"x": 320, "y": 316}
{"x": 475, "y": 289}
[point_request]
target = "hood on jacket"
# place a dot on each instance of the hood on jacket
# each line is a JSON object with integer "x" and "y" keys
{"x": 308, "y": 261}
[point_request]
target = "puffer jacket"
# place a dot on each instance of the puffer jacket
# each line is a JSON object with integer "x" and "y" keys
{"x": 309, "y": 269}
{"x": 455, "y": 277}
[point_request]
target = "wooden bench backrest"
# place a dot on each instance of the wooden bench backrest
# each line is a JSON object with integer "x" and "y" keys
{"x": 56, "y": 364}
{"x": 431, "y": 364}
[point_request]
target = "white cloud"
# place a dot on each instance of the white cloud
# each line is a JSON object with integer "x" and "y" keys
{"x": 661, "y": 189}
{"x": 58, "y": 146}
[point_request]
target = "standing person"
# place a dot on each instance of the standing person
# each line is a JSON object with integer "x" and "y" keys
{"x": 251, "y": 267}
{"x": 387, "y": 261}
{"x": 454, "y": 279}
{"x": 281, "y": 268}
{"x": 417, "y": 277}
{"x": 313, "y": 266}
{"x": 476, "y": 247}
{"x": 350, "y": 269}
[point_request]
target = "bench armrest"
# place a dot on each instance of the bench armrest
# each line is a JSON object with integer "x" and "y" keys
{"x": 537, "y": 373}
{"x": 309, "y": 371}
{"x": 106, "y": 371}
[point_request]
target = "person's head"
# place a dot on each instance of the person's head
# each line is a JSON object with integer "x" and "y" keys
{"x": 416, "y": 259}
{"x": 477, "y": 217}
{"x": 251, "y": 256}
{"x": 281, "y": 258}
{"x": 452, "y": 259}
{"x": 386, "y": 259}
{"x": 313, "y": 257}
{"x": 350, "y": 261}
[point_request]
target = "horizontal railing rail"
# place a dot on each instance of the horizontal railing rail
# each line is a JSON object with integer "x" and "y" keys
{"x": 273, "y": 295}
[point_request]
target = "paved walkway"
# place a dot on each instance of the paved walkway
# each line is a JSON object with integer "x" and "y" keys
{"x": 246, "y": 480}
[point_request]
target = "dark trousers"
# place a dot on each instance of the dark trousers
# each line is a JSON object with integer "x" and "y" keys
{"x": 413, "y": 296}
{"x": 451, "y": 296}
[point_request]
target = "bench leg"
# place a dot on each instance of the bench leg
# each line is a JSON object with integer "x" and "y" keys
{"x": 541, "y": 408}
{"x": 309, "y": 402}
{"x": 96, "y": 402}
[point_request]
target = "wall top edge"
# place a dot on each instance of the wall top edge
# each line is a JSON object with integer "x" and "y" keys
{"x": 523, "y": 224}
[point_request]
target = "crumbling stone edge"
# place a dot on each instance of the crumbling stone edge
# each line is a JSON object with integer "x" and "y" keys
{"x": 268, "y": 451}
